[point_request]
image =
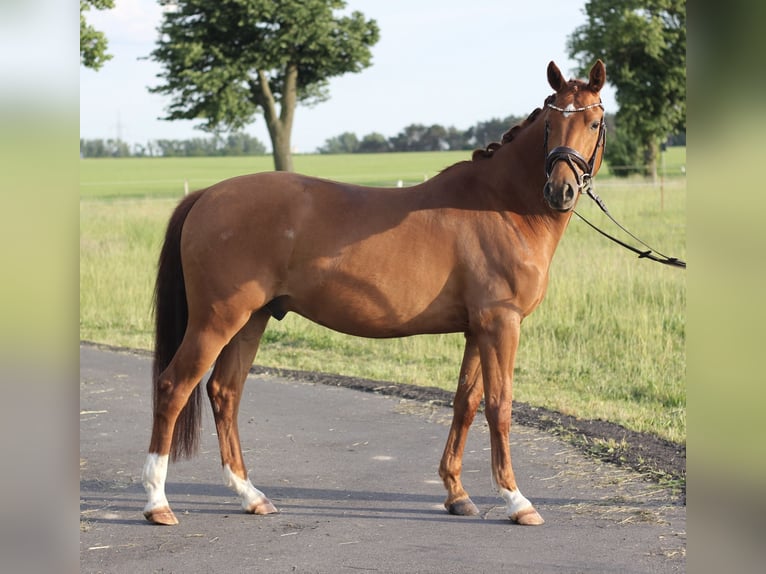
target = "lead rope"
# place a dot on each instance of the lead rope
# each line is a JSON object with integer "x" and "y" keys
{"x": 648, "y": 253}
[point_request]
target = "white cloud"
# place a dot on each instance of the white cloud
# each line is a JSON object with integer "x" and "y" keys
{"x": 129, "y": 22}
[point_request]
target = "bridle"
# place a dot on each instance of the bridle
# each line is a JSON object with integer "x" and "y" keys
{"x": 571, "y": 155}
{"x": 585, "y": 182}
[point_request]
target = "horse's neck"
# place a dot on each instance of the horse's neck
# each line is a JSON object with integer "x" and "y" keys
{"x": 510, "y": 182}
{"x": 518, "y": 172}
{"x": 520, "y": 165}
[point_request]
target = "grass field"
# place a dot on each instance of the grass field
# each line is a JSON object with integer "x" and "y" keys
{"x": 608, "y": 341}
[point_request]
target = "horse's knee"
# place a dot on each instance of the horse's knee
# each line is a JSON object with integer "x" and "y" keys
{"x": 498, "y": 416}
{"x": 164, "y": 388}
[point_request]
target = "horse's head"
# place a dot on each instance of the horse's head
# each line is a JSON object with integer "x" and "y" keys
{"x": 574, "y": 131}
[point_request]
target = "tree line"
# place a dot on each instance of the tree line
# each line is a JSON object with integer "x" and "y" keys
{"x": 419, "y": 137}
{"x": 236, "y": 144}
{"x": 620, "y": 150}
{"x": 415, "y": 137}
{"x": 619, "y": 153}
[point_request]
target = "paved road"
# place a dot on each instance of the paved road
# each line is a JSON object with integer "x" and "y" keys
{"x": 354, "y": 476}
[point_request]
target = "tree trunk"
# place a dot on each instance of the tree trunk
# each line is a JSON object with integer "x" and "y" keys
{"x": 280, "y": 125}
{"x": 283, "y": 157}
{"x": 650, "y": 159}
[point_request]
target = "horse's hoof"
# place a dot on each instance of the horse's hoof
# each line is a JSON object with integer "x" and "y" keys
{"x": 464, "y": 507}
{"x": 527, "y": 517}
{"x": 262, "y": 507}
{"x": 163, "y": 516}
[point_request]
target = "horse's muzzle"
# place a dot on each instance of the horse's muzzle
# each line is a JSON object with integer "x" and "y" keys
{"x": 560, "y": 196}
{"x": 561, "y": 189}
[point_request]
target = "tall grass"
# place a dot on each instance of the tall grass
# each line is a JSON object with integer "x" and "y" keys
{"x": 609, "y": 339}
{"x": 119, "y": 246}
{"x": 607, "y": 342}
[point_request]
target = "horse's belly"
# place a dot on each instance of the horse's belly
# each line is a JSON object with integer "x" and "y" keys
{"x": 368, "y": 311}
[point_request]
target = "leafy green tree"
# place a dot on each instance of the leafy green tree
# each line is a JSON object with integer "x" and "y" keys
{"x": 346, "y": 142}
{"x": 491, "y": 130}
{"x": 374, "y": 143}
{"x": 239, "y": 144}
{"x": 104, "y": 148}
{"x": 457, "y": 139}
{"x": 417, "y": 137}
{"x": 223, "y": 61}
{"x": 643, "y": 43}
{"x": 93, "y": 44}
{"x": 623, "y": 154}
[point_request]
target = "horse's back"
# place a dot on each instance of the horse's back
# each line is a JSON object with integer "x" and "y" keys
{"x": 361, "y": 260}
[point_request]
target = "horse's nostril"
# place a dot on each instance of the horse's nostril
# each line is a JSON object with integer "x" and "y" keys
{"x": 559, "y": 197}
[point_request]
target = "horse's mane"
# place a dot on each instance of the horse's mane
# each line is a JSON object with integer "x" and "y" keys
{"x": 489, "y": 150}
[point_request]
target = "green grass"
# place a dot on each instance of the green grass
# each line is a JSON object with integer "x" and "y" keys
{"x": 609, "y": 339}
{"x": 125, "y": 178}
{"x": 607, "y": 342}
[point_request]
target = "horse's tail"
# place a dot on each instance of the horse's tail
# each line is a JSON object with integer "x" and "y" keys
{"x": 171, "y": 314}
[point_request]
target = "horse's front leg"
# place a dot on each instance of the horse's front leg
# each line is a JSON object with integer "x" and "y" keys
{"x": 498, "y": 341}
{"x": 467, "y": 399}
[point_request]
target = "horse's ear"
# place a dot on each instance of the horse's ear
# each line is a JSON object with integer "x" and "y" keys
{"x": 597, "y": 76}
{"x": 555, "y": 78}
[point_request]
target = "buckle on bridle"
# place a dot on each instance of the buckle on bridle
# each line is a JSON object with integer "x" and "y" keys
{"x": 572, "y": 157}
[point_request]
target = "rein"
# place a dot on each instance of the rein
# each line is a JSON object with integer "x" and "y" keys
{"x": 585, "y": 183}
{"x": 648, "y": 253}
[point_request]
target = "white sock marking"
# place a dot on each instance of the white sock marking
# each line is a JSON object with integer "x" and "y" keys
{"x": 153, "y": 479}
{"x": 244, "y": 488}
{"x": 514, "y": 500}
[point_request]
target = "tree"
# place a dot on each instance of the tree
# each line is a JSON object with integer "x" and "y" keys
{"x": 223, "y": 61}
{"x": 93, "y": 44}
{"x": 374, "y": 143}
{"x": 643, "y": 43}
{"x": 457, "y": 139}
{"x": 239, "y": 144}
{"x": 104, "y": 148}
{"x": 417, "y": 137}
{"x": 491, "y": 130}
{"x": 346, "y": 142}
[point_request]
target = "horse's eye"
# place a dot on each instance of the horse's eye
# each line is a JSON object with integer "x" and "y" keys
{"x": 594, "y": 125}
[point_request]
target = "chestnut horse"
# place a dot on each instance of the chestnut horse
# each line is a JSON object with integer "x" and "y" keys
{"x": 466, "y": 251}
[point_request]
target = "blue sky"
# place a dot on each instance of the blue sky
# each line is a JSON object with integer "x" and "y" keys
{"x": 449, "y": 62}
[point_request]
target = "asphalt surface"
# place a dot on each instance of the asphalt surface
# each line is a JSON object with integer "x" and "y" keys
{"x": 354, "y": 475}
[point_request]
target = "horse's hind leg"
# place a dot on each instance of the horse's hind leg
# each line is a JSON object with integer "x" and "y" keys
{"x": 198, "y": 350}
{"x": 467, "y": 399}
{"x": 225, "y": 391}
